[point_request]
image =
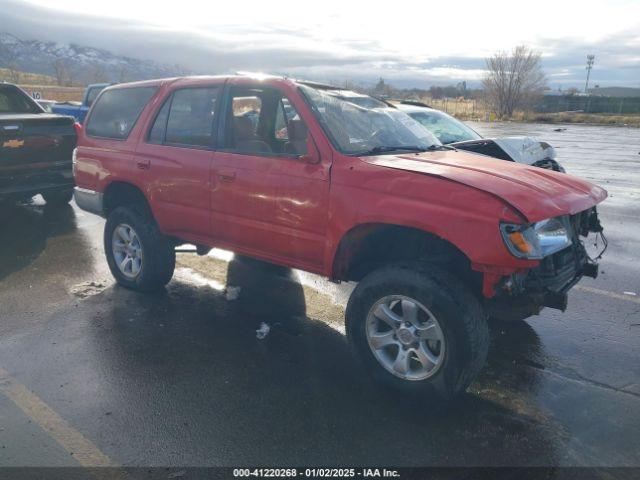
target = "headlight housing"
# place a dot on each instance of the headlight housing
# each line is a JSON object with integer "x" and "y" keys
{"x": 538, "y": 240}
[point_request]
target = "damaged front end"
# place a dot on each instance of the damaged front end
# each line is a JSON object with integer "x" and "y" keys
{"x": 525, "y": 150}
{"x": 521, "y": 295}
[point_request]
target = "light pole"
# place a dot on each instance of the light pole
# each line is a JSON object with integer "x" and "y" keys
{"x": 590, "y": 60}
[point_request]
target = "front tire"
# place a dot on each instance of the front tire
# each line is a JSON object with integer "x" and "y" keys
{"x": 140, "y": 257}
{"x": 417, "y": 330}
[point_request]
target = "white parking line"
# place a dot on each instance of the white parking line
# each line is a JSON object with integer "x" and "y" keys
{"x": 606, "y": 293}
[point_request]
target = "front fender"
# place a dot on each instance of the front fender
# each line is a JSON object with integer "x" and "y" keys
{"x": 474, "y": 229}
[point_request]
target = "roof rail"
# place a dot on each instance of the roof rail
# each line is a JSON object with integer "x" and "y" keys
{"x": 318, "y": 85}
{"x": 415, "y": 103}
{"x": 245, "y": 73}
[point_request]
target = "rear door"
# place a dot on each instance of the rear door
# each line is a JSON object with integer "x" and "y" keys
{"x": 176, "y": 156}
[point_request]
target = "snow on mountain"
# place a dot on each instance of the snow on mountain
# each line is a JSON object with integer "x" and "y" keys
{"x": 83, "y": 64}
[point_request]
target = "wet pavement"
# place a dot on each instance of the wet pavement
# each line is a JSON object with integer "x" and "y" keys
{"x": 179, "y": 378}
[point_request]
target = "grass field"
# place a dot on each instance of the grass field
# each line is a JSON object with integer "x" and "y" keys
{"x": 7, "y": 75}
{"x": 468, "y": 109}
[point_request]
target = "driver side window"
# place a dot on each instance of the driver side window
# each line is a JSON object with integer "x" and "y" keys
{"x": 261, "y": 121}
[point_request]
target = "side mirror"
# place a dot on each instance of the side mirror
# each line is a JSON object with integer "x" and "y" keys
{"x": 313, "y": 155}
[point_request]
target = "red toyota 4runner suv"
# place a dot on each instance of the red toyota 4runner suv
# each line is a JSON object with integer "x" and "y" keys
{"x": 439, "y": 240}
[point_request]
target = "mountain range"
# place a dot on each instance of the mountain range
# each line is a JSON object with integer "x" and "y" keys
{"x": 77, "y": 64}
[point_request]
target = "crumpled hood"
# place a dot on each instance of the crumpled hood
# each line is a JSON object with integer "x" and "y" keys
{"x": 536, "y": 193}
{"x": 526, "y": 149}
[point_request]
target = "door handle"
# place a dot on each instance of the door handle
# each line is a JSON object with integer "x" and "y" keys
{"x": 227, "y": 176}
{"x": 143, "y": 164}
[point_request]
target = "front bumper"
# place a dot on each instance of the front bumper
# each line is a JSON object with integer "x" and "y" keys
{"x": 89, "y": 200}
{"x": 547, "y": 285}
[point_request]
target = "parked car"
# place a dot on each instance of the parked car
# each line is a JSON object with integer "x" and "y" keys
{"x": 437, "y": 239}
{"x": 451, "y": 131}
{"x": 79, "y": 110}
{"x": 35, "y": 149}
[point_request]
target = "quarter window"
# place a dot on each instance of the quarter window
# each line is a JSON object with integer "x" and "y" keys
{"x": 116, "y": 112}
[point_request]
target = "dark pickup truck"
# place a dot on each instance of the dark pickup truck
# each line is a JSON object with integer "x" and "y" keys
{"x": 36, "y": 149}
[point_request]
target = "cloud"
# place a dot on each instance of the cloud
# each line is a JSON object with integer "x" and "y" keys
{"x": 357, "y": 49}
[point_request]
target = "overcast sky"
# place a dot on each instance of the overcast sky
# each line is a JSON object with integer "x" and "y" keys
{"x": 408, "y": 43}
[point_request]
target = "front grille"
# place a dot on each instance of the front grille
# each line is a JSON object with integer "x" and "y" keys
{"x": 548, "y": 164}
{"x": 558, "y": 270}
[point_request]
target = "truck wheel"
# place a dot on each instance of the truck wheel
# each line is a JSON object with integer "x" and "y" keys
{"x": 58, "y": 198}
{"x": 139, "y": 256}
{"x": 417, "y": 329}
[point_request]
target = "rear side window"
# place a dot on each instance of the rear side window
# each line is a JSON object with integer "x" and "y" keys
{"x": 116, "y": 112}
{"x": 190, "y": 119}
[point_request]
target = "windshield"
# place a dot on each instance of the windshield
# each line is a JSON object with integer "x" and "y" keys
{"x": 443, "y": 126}
{"x": 357, "y": 130}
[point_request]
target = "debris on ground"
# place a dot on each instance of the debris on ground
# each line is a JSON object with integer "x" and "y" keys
{"x": 87, "y": 289}
{"x": 232, "y": 293}
{"x": 178, "y": 474}
{"x": 263, "y": 331}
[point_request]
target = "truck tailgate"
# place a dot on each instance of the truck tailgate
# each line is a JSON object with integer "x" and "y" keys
{"x": 35, "y": 141}
{"x": 35, "y": 152}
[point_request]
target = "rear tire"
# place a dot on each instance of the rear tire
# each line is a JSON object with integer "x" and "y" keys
{"x": 440, "y": 353}
{"x": 58, "y": 198}
{"x": 140, "y": 257}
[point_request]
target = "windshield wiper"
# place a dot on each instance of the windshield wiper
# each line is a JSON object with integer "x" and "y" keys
{"x": 393, "y": 148}
{"x": 434, "y": 147}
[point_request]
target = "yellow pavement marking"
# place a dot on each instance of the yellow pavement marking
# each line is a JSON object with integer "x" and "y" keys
{"x": 84, "y": 451}
{"x": 606, "y": 293}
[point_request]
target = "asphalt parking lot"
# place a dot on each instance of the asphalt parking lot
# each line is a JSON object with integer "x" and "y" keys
{"x": 92, "y": 374}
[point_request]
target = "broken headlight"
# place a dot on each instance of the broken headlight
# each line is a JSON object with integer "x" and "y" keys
{"x": 538, "y": 240}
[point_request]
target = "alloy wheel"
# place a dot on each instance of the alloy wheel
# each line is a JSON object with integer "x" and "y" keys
{"x": 405, "y": 337}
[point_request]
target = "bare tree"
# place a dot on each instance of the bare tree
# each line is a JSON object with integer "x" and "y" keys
{"x": 62, "y": 71}
{"x": 13, "y": 72}
{"x": 123, "y": 74}
{"x": 14, "y": 75}
{"x": 180, "y": 70}
{"x": 382, "y": 88}
{"x": 99, "y": 74}
{"x": 513, "y": 79}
